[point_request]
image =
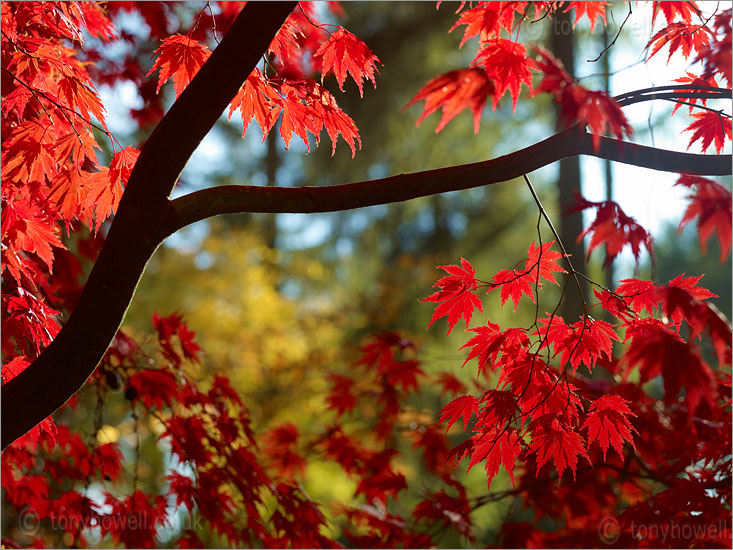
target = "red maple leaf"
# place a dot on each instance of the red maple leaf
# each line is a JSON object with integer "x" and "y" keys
{"x": 711, "y": 205}
{"x": 343, "y": 52}
{"x": 540, "y": 265}
{"x": 490, "y": 341}
{"x": 281, "y": 447}
{"x": 607, "y": 422}
{"x": 455, "y": 297}
{"x": 463, "y": 406}
{"x": 500, "y": 407}
{"x": 614, "y": 305}
{"x": 498, "y": 447}
{"x": 257, "y": 98}
{"x": 613, "y": 228}
{"x": 681, "y": 299}
{"x": 584, "y": 341}
{"x": 640, "y": 294}
{"x": 333, "y": 119}
{"x": 107, "y": 185}
{"x": 154, "y": 387}
{"x": 592, "y": 10}
{"x": 657, "y": 350}
{"x": 183, "y": 488}
{"x": 686, "y": 36}
{"x": 552, "y": 440}
{"x": 513, "y": 283}
{"x": 133, "y": 520}
{"x": 481, "y": 21}
{"x": 507, "y": 66}
{"x": 543, "y": 259}
{"x": 693, "y": 80}
{"x": 671, "y": 10}
{"x": 595, "y": 109}
{"x": 180, "y": 58}
{"x": 340, "y": 398}
{"x": 452, "y": 92}
{"x": 710, "y": 127}
{"x": 450, "y": 384}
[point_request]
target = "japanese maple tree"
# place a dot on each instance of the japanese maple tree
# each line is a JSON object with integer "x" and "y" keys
{"x": 598, "y": 459}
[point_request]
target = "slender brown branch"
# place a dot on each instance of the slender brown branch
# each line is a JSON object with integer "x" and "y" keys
{"x": 232, "y": 199}
{"x": 614, "y": 39}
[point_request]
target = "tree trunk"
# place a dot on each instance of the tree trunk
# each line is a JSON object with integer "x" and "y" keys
{"x": 562, "y": 44}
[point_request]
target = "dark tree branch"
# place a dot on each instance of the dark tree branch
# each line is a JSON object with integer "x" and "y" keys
{"x": 232, "y": 199}
{"x": 136, "y": 231}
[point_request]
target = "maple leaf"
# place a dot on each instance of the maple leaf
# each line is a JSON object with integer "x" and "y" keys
{"x": 584, "y": 341}
{"x": 657, "y": 350}
{"x": 709, "y": 127}
{"x": 82, "y": 96}
{"x": 481, "y": 21}
{"x": 693, "y": 80}
{"x": 256, "y": 98}
{"x": 405, "y": 374}
{"x": 183, "y": 488}
{"x": 507, "y": 66}
{"x": 681, "y": 299}
{"x": 490, "y": 341}
{"x": 450, "y": 384}
{"x": 543, "y": 259}
{"x": 500, "y": 407}
{"x": 498, "y": 447}
{"x": 155, "y": 388}
{"x": 13, "y": 368}
{"x": 595, "y": 109}
{"x": 613, "y": 228}
{"x": 280, "y": 447}
{"x": 641, "y": 294}
{"x": 107, "y": 186}
{"x": 133, "y": 520}
{"x": 179, "y": 57}
{"x": 29, "y": 320}
{"x": 453, "y": 92}
{"x": 512, "y": 283}
{"x": 552, "y": 440}
{"x": 591, "y": 10}
{"x": 340, "y": 398}
{"x": 515, "y": 284}
{"x": 455, "y": 297}
{"x": 614, "y": 305}
{"x": 463, "y": 406}
{"x": 674, "y": 9}
{"x": 26, "y": 227}
{"x": 107, "y": 461}
{"x": 711, "y": 205}
{"x": 334, "y": 120}
{"x": 607, "y": 422}
{"x": 343, "y": 52}
{"x": 684, "y": 36}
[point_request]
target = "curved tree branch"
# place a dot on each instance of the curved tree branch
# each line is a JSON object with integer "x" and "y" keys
{"x": 70, "y": 359}
{"x": 231, "y": 199}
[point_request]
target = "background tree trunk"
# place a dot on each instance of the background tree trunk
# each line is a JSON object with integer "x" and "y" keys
{"x": 562, "y": 44}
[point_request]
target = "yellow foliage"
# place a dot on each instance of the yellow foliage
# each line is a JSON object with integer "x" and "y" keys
{"x": 275, "y": 348}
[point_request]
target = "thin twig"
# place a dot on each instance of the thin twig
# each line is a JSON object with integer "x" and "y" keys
{"x": 614, "y": 39}
{"x": 559, "y": 241}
